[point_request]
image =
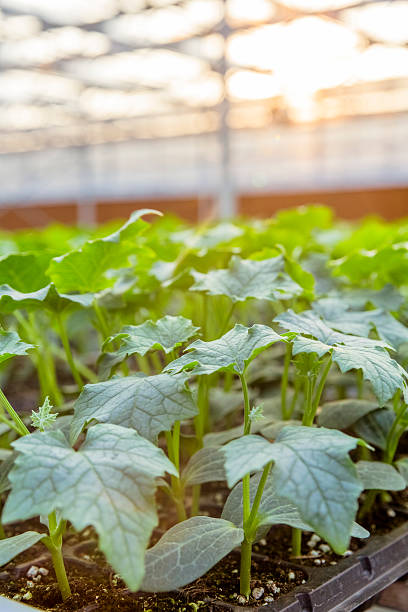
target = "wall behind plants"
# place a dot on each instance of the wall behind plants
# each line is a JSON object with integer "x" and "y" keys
{"x": 390, "y": 203}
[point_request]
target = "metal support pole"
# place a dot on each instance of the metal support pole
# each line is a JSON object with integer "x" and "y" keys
{"x": 227, "y": 205}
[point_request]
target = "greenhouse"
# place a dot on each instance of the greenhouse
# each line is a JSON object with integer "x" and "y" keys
{"x": 204, "y": 305}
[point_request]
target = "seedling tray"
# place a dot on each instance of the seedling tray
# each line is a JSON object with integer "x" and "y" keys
{"x": 340, "y": 588}
{"x": 347, "y": 585}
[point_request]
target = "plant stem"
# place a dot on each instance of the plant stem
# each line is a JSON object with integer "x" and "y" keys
{"x": 5, "y": 404}
{"x": 200, "y": 424}
{"x": 257, "y": 500}
{"x": 195, "y": 502}
{"x": 308, "y": 412}
{"x": 65, "y": 343}
{"x": 101, "y": 319}
{"x": 393, "y": 435}
{"x": 224, "y": 325}
{"x": 245, "y": 570}
{"x": 157, "y": 364}
{"x": 246, "y": 546}
{"x": 367, "y": 504}
{"x": 54, "y": 545}
{"x": 360, "y": 384}
{"x": 296, "y": 542}
{"x": 285, "y": 376}
{"x": 247, "y": 408}
{"x": 295, "y": 397}
{"x": 173, "y": 447}
{"x": 320, "y": 387}
{"x": 82, "y": 369}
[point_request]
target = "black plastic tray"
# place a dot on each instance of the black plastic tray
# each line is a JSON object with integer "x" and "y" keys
{"x": 347, "y": 585}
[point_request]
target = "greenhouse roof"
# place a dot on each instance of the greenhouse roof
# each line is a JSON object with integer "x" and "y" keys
{"x": 79, "y": 73}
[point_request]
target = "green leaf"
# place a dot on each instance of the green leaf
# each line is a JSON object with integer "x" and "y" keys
{"x": 349, "y": 352}
{"x": 149, "y": 404}
{"x": 5, "y": 468}
{"x": 187, "y": 551}
{"x": 402, "y": 465}
{"x": 273, "y": 510}
{"x": 166, "y": 334}
{"x": 11, "y": 345}
{"x": 47, "y": 297}
{"x": 247, "y": 278}
{"x": 233, "y": 351}
{"x": 85, "y": 269}
{"x": 389, "y": 298}
{"x": 312, "y": 470}
{"x": 44, "y": 419}
{"x": 223, "y": 403}
{"x": 25, "y": 272}
{"x": 379, "y": 475}
{"x": 206, "y": 465}
{"x": 343, "y": 413}
{"x": 11, "y": 547}
{"x": 375, "y": 426}
{"x": 336, "y": 316}
{"x": 109, "y": 484}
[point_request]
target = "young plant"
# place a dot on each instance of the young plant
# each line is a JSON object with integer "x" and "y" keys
{"x": 108, "y": 483}
{"x": 148, "y": 404}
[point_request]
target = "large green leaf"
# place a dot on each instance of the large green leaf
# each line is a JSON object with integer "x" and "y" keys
{"x": 25, "y": 272}
{"x": 379, "y": 475}
{"x": 337, "y": 316}
{"x": 47, "y": 297}
{"x": 341, "y": 414}
{"x": 166, "y": 334}
{"x": 233, "y": 351}
{"x": 312, "y": 470}
{"x": 206, "y": 465}
{"x": 109, "y": 484}
{"x": 84, "y": 270}
{"x": 187, "y": 551}
{"x": 402, "y": 465}
{"x": 375, "y": 426}
{"x": 248, "y": 278}
{"x": 388, "y": 298}
{"x": 10, "y": 345}
{"x": 273, "y": 510}
{"x": 11, "y": 547}
{"x": 149, "y": 404}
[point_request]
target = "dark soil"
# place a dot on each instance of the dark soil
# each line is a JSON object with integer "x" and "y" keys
{"x": 95, "y": 587}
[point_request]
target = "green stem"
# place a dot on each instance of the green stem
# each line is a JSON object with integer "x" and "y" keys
{"x": 157, "y": 364}
{"x": 65, "y": 343}
{"x": 224, "y": 326}
{"x": 101, "y": 319}
{"x": 246, "y": 546}
{"x": 308, "y": 412}
{"x": 285, "y": 376}
{"x": 295, "y": 397}
{"x": 257, "y": 500}
{"x": 393, "y": 435}
{"x": 360, "y": 384}
{"x": 320, "y": 387}
{"x": 82, "y": 369}
{"x": 143, "y": 364}
{"x": 296, "y": 542}
{"x": 368, "y": 503}
{"x": 54, "y": 545}
{"x": 4, "y": 403}
{"x": 245, "y": 570}
{"x": 195, "y": 503}
{"x": 247, "y": 408}
{"x": 173, "y": 446}
{"x": 42, "y": 358}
